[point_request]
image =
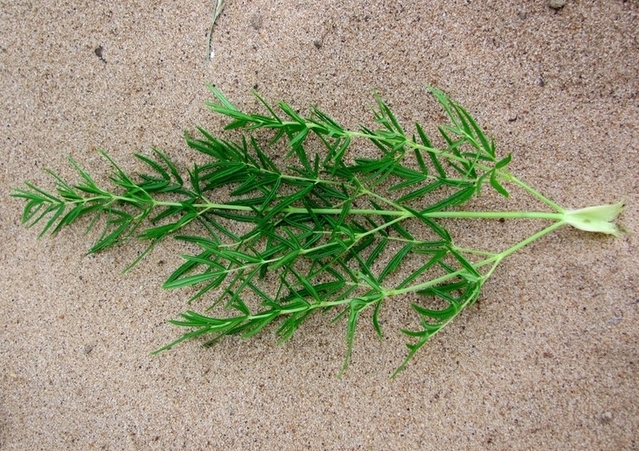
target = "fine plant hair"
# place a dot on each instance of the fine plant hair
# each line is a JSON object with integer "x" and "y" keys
{"x": 328, "y": 230}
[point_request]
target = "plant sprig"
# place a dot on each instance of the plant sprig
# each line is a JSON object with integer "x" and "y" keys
{"x": 316, "y": 231}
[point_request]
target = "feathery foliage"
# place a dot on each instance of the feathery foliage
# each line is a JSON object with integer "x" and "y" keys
{"x": 325, "y": 231}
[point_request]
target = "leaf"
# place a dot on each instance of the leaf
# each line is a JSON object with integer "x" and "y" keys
{"x": 437, "y": 257}
{"x": 468, "y": 119}
{"x": 153, "y": 165}
{"x": 438, "y": 315}
{"x": 458, "y": 198}
{"x": 256, "y": 325}
{"x": 395, "y": 262}
{"x": 122, "y": 221}
{"x": 387, "y": 117}
{"x": 377, "y": 251}
{"x": 443, "y": 233}
{"x": 471, "y": 273}
{"x": 420, "y": 192}
{"x": 285, "y": 260}
{"x": 497, "y": 186}
{"x": 376, "y": 325}
{"x": 504, "y": 161}
{"x": 355, "y": 308}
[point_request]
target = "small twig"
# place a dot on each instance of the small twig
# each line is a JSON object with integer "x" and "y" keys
{"x": 219, "y": 6}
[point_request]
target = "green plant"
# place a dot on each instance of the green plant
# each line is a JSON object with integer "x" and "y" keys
{"x": 324, "y": 231}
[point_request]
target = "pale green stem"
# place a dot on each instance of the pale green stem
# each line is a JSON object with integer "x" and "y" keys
{"x": 495, "y": 259}
{"x": 355, "y": 211}
{"x": 511, "y": 178}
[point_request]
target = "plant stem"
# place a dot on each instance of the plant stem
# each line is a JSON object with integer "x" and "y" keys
{"x": 495, "y": 259}
{"x": 328, "y": 228}
{"x": 511, "y": 178}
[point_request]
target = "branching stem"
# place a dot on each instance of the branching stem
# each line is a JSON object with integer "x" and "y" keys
{"x": 323, "y": 232}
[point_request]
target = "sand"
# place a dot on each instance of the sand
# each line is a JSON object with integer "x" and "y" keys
{"x": 547, "y": 360}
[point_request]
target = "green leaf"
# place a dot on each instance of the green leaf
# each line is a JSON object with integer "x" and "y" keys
{"x": 468, "y": 119}
{"x": 439, "y": 230}
{"x": 458, "y": 198}
{"x": 386, "y": 116}
{"x": 438, "y": 315}
{"x": 496, "y": 185}
{"x": 420, "y": 192}
{"x": 436, "y": 258}
{"x": 504, "y": 161}
{"x": 395, "y": 262}
{"x": 355, "y": 308}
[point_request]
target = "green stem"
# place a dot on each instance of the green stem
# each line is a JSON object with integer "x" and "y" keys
{"x": 495, "y": 260}
{"x": 363, "y": 211}
{"x": 439, "y": 214}
{"x": 353, "y": 211}
{"x": 505, "y": 175}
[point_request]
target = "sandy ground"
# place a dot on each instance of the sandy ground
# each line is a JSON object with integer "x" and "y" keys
{"x": 548, "y": 360}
